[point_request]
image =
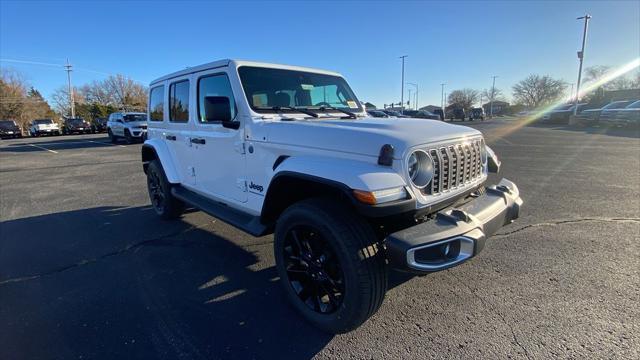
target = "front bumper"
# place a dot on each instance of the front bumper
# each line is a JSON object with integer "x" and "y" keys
{"x": 456, "y": 234}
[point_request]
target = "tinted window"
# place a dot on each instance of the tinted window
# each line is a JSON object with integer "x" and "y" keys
{"x": 215, "y": 85}
{"x": 156, "y": 104}
{"x": 635, "y": 105}
{"x": 179, "y": 101}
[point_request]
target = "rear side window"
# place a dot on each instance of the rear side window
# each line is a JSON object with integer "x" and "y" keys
{"x": 215, "y": 85}
{"x": 156, "y": 104}
{"x": 179, "y": 101}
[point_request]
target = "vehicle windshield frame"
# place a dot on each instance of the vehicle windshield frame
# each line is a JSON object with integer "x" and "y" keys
{"x": 617, "y": 105}
{"x": 43, "y": 122}
{"x": 340, "y": 83}
{"x": 7, "y": 124}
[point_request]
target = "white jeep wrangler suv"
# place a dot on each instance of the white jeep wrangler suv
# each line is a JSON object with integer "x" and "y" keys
{"x": 289, "y": 150}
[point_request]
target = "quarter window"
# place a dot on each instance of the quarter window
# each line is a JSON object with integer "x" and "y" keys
{"x": 214, "y": 85}
{"x": 156, "y": 104}
{"x": 179, "y": 101}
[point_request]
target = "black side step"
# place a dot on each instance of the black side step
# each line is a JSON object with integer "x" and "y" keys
{"x": 248, "y": 223}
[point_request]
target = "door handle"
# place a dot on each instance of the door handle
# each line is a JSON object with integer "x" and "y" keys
{"x": 170, "y": 137}
{"x": 198, "y": 141}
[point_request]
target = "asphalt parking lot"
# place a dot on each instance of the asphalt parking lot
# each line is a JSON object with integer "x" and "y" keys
{"x": 88, "y": 271}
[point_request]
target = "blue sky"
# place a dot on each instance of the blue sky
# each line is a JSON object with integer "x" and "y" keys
{"x": 460, "y": 43}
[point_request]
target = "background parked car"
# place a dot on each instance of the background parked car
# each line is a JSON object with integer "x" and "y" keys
{"x": 99, "y": 125}
{"x": 629, "y": 116}
{"x": 608, "y": 116}
{"x": 421, "y": 114}
{"x": 9, "y": 129}
{"x": 44, "y": 127}
{"x": 476, "y": 114}
{"x": 456, "y": 113}
{"x": 76, "y": 126}
{"x": 561, "y": 114}
{"x": 393, "y": 113}
{"x": 377, "y": 113}
{"x": 439, "y": 112}
{"x": 591, "y": 117}
{"x": 131, "y": 126}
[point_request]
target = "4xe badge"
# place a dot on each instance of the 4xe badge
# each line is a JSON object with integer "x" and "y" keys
{"x": 256, "y": 187}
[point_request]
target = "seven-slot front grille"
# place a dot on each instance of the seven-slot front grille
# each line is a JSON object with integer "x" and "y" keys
{"x": 454, "y": 166}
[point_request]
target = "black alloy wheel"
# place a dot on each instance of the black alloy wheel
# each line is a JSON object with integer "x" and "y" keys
{"x": 313, "y": 269}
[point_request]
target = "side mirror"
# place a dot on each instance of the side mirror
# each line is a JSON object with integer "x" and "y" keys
{"x": 218, "y": 108}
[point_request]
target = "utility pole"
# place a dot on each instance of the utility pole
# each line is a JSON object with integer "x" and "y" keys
{"x": 493, "y": 94}
{"x": 68, "y": 68}
{"x": 416, "y": 94}
{"x": 402, "y": 86}
{"x": 581, "y": 57}
{"x": 442, "y": 98}
{"x": 409, "y": 97}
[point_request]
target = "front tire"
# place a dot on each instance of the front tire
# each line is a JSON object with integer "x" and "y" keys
{"x": 127, "y": 137}
{"x": 163, "y": 202}
{"x": 329, "y": 262}
{"x": 112, "y": 137}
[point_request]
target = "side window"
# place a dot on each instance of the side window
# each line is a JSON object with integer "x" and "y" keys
{"x": 214, "y": 86}
{"x": 156, "y": 104}
{"x": 179, "y": 101}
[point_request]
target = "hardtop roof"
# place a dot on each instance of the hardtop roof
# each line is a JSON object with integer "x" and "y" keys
{"x": 238, "y": 63}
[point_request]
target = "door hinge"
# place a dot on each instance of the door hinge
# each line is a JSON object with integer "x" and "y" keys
{"x": 192, "y": 171}
{"x": 242, "y": 184}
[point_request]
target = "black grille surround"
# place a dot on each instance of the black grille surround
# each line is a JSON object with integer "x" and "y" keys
{"x": 455, "y": 166}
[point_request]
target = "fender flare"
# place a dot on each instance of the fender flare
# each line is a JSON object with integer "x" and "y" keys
{"x": 160, "y": 151}
{"x": 353, "y": 174}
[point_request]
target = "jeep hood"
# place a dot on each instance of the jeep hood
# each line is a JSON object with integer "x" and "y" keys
{"x": 364, "y": 136}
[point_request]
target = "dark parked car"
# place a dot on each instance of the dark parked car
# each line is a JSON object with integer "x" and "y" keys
{"x": 439, "y": 112}
{"x": 9, "y": 129}
{"x": 591, "y": 117}
{"x": 456, "y": 113}
{"x": 561, "y": 114}
{"x": 629, "y": 116}
{"x": 76, "y": 126}
{"x": 476, "y": 114}
{"x": 99, "y": 125}
{"x": 609, "y": 115}
{"x": 393, "y": 113}
{"x": 421, "y": 114}
{"x": 377, "y": 113}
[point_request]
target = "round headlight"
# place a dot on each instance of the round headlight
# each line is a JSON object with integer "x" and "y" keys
{"x": 420, "y": 168}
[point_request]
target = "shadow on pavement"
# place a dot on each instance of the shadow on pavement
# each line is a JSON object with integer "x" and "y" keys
{"x": 110, "y": 282}
{"x": 70, "y": 142}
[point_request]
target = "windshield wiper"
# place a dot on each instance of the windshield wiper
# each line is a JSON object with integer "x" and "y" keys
{"x": 351, "y": 115}
{"x": 280, "y": 108}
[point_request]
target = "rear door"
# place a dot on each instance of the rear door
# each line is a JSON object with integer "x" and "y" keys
{"x": 179, "y": 126}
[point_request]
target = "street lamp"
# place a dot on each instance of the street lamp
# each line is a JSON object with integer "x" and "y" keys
{"x": 416, "y": 95}
{"x": 493, "y": 93}
{"x": 581, "y": 57}
{"x": 402, "y": 86}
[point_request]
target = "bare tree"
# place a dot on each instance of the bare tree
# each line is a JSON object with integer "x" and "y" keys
{"x": 464, "y": 98}
{"x": 61, "y": 102}
{"x": 125, "y": 93}
{"x": 598, "y": 72}
{"x": 536, "y": 90}
{"x": 492, "y": 93}
{"x": 13, "y": 90}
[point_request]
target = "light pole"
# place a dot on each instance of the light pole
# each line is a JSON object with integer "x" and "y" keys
{"x": 571, "y": 93}
{"x": 416, "y": 93}
{"x": 493, "y": 92}
{"x": 442, "y": 98}
{"x": 402, "y": 86}
{"x": 409, "y": 97}
{"x": 72, "y": 104}
{"x": 581, "y": 57}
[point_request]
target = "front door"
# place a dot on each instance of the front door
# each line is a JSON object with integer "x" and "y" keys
{"x": 219, "y": 158}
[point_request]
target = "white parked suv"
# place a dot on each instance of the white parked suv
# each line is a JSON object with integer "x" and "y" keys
{"x": 44, "y": 127}
{"x": 290, "y": 150}
{"x": 130, "y": 126}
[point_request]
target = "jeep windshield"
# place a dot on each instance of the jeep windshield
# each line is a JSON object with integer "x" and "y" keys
{"x": 43, "y": 122}
{"x": 135, "y": 117}
{"x": 271, "y": 90}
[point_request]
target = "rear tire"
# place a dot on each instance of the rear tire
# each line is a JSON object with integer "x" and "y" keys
{"x": 331, "y": 267}
{"x": 163, "y": 202}
{"x": 112, "y": 137}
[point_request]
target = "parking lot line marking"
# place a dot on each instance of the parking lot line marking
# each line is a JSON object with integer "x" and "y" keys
{"x": 43, "y": 148}
{"x": 104, "y": 142}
